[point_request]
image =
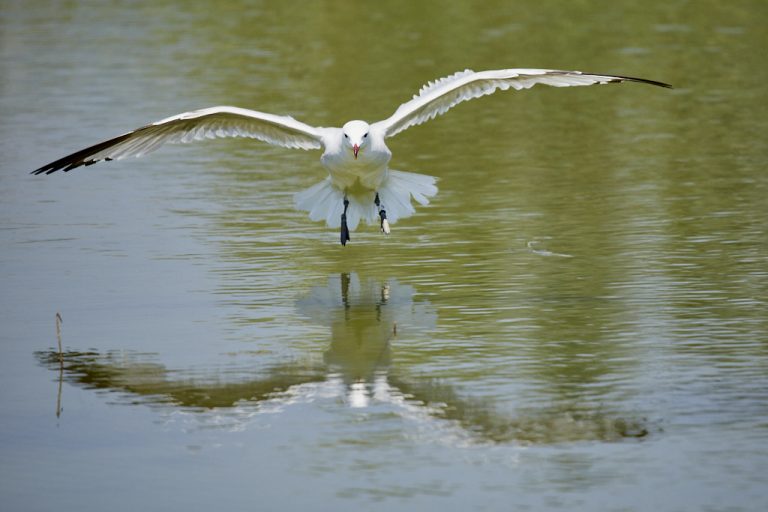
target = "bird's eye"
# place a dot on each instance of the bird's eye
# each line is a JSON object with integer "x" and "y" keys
{"x": 346, "y": 136}
{"x": 364, "y": 136}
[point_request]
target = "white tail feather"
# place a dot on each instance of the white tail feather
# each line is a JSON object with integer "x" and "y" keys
{"x": 325, "y": 202}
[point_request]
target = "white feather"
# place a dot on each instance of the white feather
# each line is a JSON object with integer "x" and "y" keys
{"x": 437, "y": 98}
{"x": 323, "y": 201}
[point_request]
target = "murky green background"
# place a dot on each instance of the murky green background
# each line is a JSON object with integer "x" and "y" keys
{"x": 578, "y": 321}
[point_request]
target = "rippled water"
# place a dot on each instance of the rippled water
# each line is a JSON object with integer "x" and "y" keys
{"x": 577, "y": 320}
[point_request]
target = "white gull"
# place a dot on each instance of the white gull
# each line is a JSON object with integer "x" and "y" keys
{"x": 360, "y": 184}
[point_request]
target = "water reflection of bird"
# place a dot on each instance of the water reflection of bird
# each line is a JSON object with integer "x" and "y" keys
{"x": 363, "y": 317}
{"x": 360, "y": 184}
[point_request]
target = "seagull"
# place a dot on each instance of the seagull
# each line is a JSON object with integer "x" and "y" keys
{"x": 360, "y": 185}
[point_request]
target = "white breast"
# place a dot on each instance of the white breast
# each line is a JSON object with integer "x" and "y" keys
{"x": 368, "y": 170}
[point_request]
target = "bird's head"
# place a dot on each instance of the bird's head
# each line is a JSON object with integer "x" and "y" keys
{"x": 356, "y": 135}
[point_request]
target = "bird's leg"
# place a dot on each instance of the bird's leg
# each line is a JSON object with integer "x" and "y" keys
{"x": 382, "y": 215}
{"x": 344, "y": 229}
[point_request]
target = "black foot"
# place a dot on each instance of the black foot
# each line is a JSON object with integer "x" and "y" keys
{"x": 344, "y": 229}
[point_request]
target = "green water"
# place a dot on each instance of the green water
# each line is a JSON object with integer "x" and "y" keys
{"x": 577, "y": 321}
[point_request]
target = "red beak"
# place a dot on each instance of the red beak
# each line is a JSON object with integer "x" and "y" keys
{"x": 355, "y": 150}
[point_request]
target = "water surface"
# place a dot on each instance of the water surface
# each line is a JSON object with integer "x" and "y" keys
{"x": 577, "y": 321}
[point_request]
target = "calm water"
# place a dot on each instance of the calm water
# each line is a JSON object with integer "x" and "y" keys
{"x": 577, "y": 322}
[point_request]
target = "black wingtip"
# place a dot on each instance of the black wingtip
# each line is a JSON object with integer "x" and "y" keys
{"x": 642, "y": 81}
{"x": 66, "y": 167}
{"x": 46, "y": 169}
{"x": 81, "y": 158}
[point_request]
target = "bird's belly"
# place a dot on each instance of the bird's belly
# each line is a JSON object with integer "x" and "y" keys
{"x": 347, "y": 178}
{"x": 366, "y": 173}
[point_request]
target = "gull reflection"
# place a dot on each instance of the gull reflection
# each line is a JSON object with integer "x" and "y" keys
{"x": 364, "y": 318}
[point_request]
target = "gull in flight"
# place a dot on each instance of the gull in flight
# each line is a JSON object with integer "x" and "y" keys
{"x": 360, "y": 185}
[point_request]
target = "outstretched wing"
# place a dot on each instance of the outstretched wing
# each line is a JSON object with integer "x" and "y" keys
{"x": 437, "y": 97}
{"x": 207, "y": 123}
